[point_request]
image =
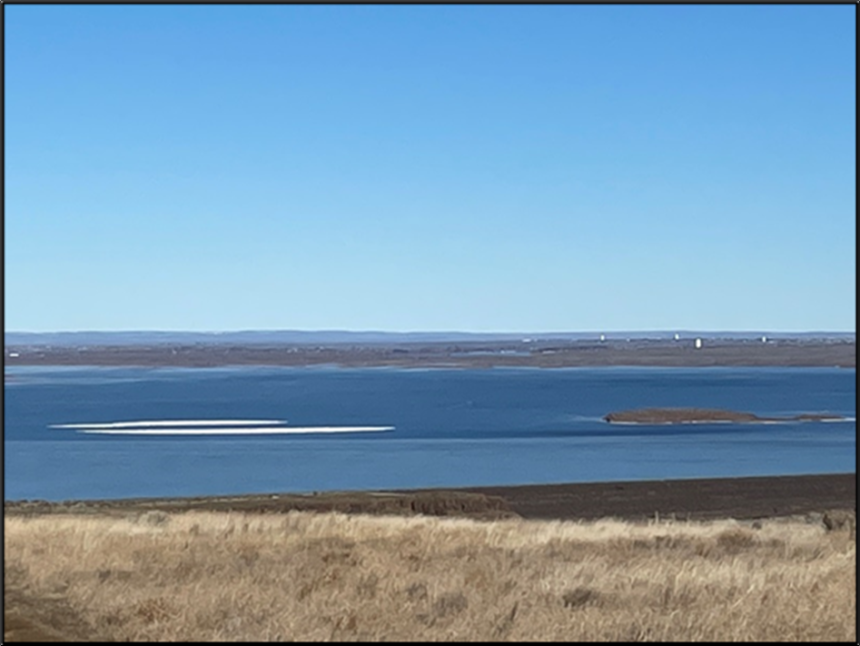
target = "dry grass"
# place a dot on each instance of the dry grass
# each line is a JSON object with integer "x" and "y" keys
{"x": 303, "y": 576}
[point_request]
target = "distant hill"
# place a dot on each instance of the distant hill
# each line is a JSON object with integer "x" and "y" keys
{"x": 324, "y": 337}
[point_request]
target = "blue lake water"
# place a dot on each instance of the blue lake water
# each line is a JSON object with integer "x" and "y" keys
{"x": 451, "y": 428}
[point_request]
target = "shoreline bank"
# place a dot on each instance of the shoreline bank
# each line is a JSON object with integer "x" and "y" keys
{"x": 693, "y": 499}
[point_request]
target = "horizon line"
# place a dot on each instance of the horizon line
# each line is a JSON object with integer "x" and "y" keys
{"x": 449, "y": 331}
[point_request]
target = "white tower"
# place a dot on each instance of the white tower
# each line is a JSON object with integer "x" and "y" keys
{"x": 698, "y": 343}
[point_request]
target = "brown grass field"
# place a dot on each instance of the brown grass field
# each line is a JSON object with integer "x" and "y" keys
{"x": 237, "y": 576}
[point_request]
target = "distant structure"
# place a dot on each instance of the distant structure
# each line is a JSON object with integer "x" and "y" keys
{"x": 764, "y": 339}
{"x": 603, "y": 337}
{"x": 677, "y": 336}
{"x": 698, "y": 343}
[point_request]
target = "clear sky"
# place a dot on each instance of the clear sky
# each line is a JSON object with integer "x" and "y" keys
{"x": 403, "y": 168}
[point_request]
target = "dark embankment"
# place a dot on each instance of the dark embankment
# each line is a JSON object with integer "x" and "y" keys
{"x": 699, "y": 499}
{"x": 741, "y": 498}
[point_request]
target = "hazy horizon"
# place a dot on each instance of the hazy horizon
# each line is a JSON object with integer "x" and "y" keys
{"x": 419, "y": 330}
{"x": 358, "y": 332}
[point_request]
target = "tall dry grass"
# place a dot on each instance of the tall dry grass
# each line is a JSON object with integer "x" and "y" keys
{"x": 303, "y": 576}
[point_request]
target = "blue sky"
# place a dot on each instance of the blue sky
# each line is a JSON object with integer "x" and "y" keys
{"x": 402, "y": 168}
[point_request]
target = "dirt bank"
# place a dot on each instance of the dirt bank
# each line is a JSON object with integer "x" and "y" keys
{"x": 740, "y": 498}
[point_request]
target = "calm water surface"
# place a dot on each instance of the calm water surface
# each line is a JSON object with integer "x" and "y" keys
{"x": 451, "y": 428}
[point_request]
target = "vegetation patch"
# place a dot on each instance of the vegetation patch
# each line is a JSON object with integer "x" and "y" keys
{"x": 215, "y": 576}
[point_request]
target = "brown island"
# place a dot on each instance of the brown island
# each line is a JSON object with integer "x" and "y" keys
{"x": 706, "y": 415}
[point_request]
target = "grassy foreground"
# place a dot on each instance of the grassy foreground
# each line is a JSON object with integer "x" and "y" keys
{"x": 305, "y": 576}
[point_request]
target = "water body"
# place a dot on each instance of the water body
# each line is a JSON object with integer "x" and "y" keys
{"x": 183, "y": 432}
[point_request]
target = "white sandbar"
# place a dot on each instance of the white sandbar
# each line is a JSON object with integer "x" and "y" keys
{"x": 279, "y": 430}
{"x": 178, "y": 422}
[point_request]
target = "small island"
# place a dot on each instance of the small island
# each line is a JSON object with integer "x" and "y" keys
{"x": 706, "y": 416}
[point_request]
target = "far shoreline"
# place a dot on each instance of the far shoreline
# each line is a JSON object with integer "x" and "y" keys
{"x": 447, "y": 356}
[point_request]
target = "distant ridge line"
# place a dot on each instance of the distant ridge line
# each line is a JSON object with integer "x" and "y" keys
{"x": 300, "y": 337}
